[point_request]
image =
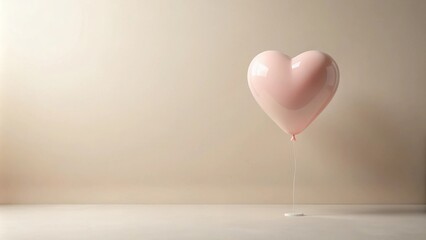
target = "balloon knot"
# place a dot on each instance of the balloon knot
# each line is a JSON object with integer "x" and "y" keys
{"x": 293, "y": 138}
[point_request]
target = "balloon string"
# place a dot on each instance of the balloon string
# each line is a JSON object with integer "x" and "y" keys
{"x": 293, "y": 138}
{"x": 294, "y": 170}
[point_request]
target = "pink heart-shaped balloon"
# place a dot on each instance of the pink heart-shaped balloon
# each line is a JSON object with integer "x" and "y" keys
{"x": 293, "y": 91}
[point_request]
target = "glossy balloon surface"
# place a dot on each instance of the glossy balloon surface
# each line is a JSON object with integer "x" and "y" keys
{"x": 293, "y": 91}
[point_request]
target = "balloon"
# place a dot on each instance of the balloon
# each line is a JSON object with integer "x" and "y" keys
{"x": 293, "y": 91}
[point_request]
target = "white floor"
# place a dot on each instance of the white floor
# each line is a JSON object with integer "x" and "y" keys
{"x": 203, "y": 222}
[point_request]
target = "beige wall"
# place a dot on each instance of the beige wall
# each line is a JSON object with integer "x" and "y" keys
{"x": 147, "y": 102}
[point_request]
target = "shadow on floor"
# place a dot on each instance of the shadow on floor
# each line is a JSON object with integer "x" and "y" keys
{"x": 388, "y": 210}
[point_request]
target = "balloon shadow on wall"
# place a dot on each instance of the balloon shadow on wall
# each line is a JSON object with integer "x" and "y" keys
{"x": 368, "y": 144}
{"x": 424, "y": 156}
